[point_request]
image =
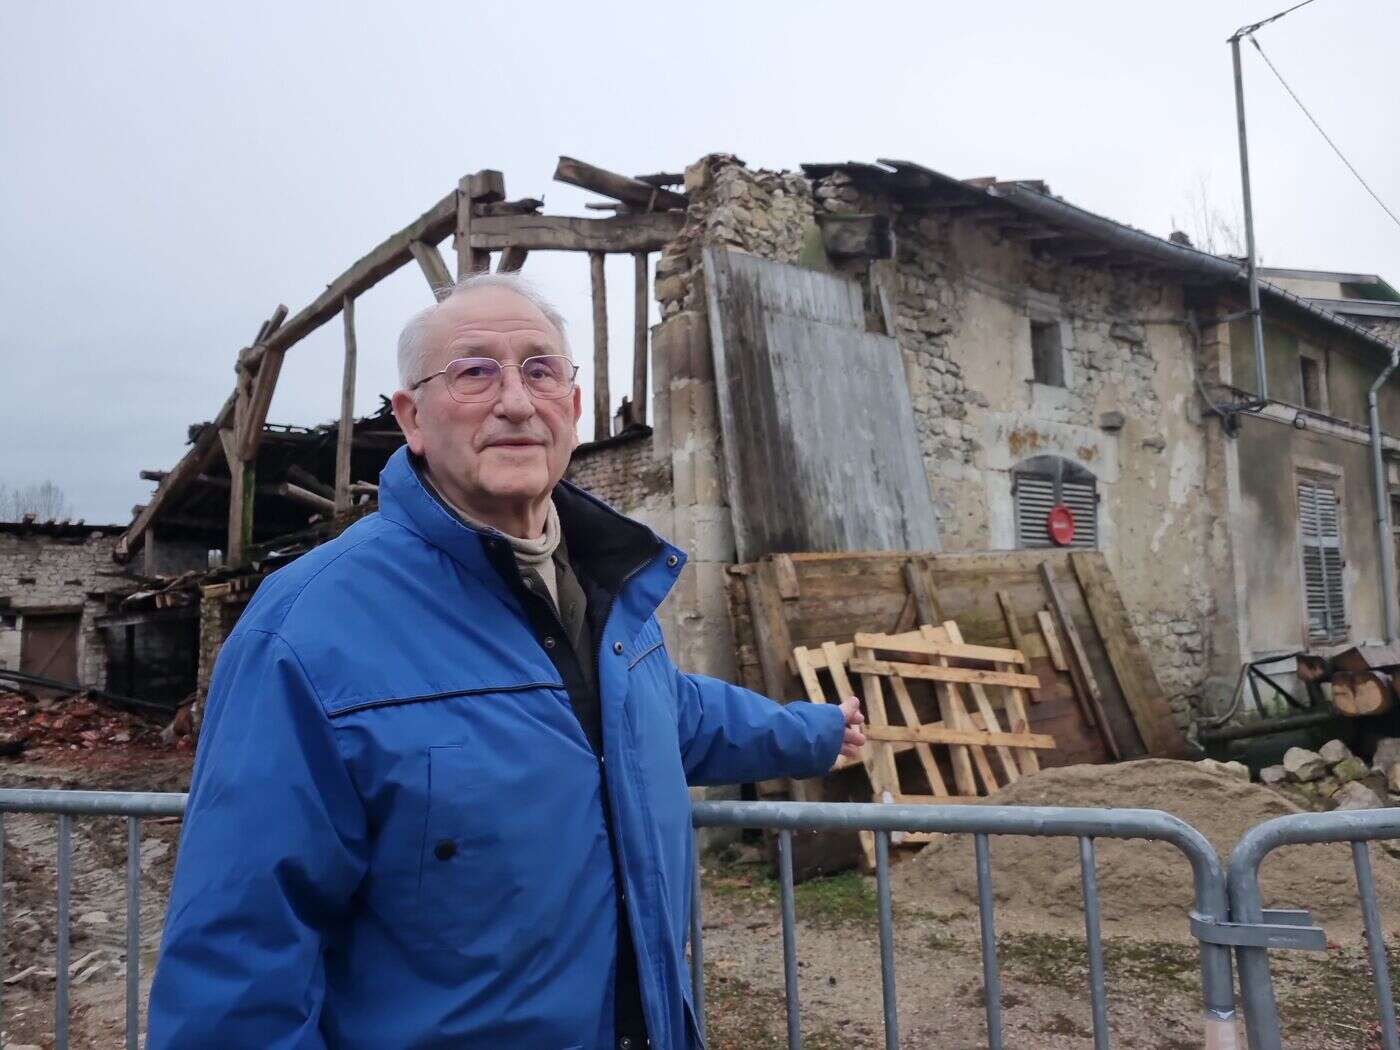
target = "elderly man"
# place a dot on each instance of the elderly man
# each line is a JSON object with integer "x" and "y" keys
{"x": 441, "y": 795}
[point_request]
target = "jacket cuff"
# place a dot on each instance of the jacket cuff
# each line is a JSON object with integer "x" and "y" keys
{"x": 828, "y": 730}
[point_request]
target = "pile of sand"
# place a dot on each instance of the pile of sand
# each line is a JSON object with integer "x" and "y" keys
{"x": 1145, "y": 887}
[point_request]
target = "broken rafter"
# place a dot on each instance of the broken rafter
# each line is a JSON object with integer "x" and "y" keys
{"x": 205, "y": 447}
{"x": 264, "y": 385}
{"x": 620, "y": 187}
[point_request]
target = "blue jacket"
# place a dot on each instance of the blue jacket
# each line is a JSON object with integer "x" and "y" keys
{"x": 384, "y": 695}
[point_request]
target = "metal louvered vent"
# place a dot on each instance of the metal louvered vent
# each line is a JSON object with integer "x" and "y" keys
{"x": 1035, "y": 496}
{"x": 1319, "y": 528}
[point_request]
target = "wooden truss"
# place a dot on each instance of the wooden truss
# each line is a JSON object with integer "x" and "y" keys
{"x": 480, "y": 221}
{"x": 967, "y": 740}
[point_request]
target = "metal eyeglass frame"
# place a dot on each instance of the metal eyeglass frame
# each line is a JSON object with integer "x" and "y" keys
{"x": 495, "y": 392}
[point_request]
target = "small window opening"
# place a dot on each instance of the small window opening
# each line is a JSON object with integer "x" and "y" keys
{"x": 1047, "y": 353}
{"x": 1312, "y": 384}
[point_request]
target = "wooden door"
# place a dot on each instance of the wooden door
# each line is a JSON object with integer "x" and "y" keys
{"x": 49, "y": 645}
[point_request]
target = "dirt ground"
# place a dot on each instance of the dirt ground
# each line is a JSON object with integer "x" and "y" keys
{"x": 1152, "y": 966}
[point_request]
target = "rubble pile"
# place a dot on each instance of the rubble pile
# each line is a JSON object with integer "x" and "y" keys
{"x": 1333, "y": 778}
{"x": 72, "y": 722}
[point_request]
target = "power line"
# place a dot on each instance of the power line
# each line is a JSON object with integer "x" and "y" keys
{"x": 1335, "y": 148}
{"x": 1245, "y": 31}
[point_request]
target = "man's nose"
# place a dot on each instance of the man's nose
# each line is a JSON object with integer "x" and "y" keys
{"x": 514, "y": 401}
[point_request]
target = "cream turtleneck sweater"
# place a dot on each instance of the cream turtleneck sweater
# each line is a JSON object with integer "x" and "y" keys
{"x": 534, "y": 556}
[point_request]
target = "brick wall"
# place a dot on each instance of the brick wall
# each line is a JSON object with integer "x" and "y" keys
{"x": 40, "y": 571}
{"x": 621, "y": 471}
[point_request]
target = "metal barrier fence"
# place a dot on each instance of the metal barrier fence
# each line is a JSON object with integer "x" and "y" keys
{"x": 1358, "y": 828}
{"x": 133, "y": 806}
{"x": 1251, "y": 934}
{"x": 1209, "y": 916}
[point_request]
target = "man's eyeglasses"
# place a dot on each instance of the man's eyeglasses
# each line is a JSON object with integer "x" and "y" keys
{"x": 471, "y": 380}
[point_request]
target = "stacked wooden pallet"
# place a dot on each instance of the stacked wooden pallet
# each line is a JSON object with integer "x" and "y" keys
{"x": 926, "y": 671}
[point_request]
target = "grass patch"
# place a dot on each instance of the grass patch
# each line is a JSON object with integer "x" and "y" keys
{"x": 834, "y": 900}
{"x": 1063, "y": 962}
{"x": 1328, "y": 993}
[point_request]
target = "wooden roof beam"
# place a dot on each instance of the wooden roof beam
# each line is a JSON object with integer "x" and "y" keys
{"x": 623, "y": 233}
{"x": 632, "y": 191}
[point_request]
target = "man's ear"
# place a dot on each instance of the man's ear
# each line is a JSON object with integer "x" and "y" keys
{"x": 578, "y": 410}
{"x": 406, "y": 412}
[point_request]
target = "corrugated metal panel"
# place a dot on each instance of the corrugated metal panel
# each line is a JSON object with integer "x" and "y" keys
{"x": 1319, "y": 526}
{"x": 1035, "y": 497}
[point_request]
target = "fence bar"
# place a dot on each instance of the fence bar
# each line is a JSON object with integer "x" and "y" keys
{"x": 789, "y": 909}
{"x": 1247, "y": 903}
{"x": 65, "y": 876}
{"x": 1375, "y": 944}
{"x": 991, "y": 974}
{"x": 697, "y": 947}
{"x": 1094, "y": 938}
{"x": 93, "y": 803}
{"x": 133, "y": 933}
{"x": 882, "y": 891}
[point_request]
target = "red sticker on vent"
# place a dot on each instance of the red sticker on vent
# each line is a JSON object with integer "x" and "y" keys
{"x": 1060, "y": 524}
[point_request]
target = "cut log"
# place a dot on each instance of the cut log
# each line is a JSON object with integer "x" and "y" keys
{"x": 1357, "y": 694}
{"x": 619, "y": 187}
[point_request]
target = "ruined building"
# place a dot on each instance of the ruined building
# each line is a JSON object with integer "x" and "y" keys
{"x": 879, "y": 356}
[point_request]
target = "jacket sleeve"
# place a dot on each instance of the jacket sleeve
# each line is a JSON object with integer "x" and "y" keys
{"x": 273, "y": 846}
{"x": 732, "y": 735}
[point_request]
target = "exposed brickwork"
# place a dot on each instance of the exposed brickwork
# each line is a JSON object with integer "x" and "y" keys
{"x": 621, "y": 472}
{"x": 39, "y": 571}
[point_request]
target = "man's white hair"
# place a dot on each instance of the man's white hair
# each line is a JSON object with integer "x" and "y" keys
{"x": 413, "y": 341}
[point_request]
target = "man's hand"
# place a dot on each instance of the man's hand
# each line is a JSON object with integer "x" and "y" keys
{"x": 854, "y": 739}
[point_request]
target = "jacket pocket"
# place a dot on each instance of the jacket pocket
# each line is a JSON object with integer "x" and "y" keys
{"x": 450, "y": 857}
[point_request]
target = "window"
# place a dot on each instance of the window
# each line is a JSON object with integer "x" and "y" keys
{"x": 1041, "y": 484}
{"x": 1314, "y": 388}
{"x": 1047, "y": 353}
{"x": 1319, "y": 532}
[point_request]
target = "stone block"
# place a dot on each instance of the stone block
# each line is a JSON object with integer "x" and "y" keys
{"x": 1357, "y": 796}
{"x": 1387, "y": 754}
{"x": 1334, "y": 751}
{"x": 1349, "y": 769}
{"x": 1273, "y": 775}
{"x": 1392, "y": 778}
{"x": 1304, "y": 765}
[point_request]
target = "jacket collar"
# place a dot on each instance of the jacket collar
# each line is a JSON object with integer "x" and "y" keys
{"x": 604, "y": 544}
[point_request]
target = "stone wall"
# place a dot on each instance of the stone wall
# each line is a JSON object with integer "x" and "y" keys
{"x": 964, "y": 299}
{"x": 960, "y": 303}
{"x": 43, "y": 571}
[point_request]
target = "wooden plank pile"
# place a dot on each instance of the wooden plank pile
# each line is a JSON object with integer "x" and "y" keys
{"x": 926, "y": 672}
{"x": 1061, "y": 611}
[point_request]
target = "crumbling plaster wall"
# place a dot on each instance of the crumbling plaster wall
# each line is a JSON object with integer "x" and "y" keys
{"x": 963, "y": 301}
{"x": 42, "y": 572}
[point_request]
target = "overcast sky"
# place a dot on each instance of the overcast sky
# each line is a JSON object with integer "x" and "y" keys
{"x": 170, "y": 172}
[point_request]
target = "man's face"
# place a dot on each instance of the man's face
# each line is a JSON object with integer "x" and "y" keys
{"x": 497, "y": 457}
